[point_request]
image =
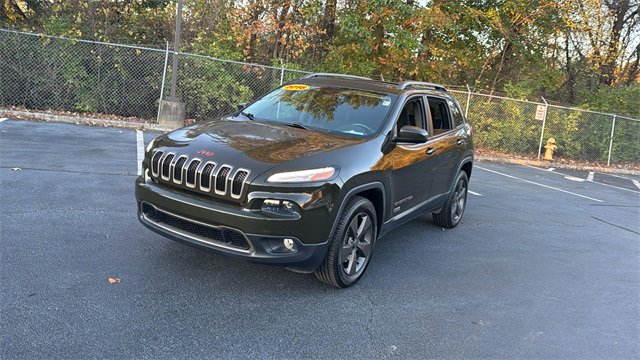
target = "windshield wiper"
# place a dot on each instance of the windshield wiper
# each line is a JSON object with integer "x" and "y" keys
{"x": 250, "y": 116}
{"x": 297, "y": 125}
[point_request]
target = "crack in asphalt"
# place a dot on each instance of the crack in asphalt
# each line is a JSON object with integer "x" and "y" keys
{"x": 367, "y": 327}
{"x": 618, "y": 226}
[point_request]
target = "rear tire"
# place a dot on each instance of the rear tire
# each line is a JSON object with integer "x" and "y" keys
{"x": 453, "y": 209}
{"x": 351, "y": 245}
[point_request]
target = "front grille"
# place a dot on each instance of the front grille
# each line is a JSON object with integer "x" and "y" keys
{"x": 197, "y": 175}
{"x": 209, "y": 234}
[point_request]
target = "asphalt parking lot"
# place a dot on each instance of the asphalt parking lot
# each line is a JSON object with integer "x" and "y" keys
{"x": 544, "y": 265}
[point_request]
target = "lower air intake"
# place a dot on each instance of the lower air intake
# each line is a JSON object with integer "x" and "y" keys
{"x": 204, "y": 233}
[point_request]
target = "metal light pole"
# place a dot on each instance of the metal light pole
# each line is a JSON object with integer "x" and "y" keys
{"x": 172, "y": 109}
{"x": 176, "y": 50}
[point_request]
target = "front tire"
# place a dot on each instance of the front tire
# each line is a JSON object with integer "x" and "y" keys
{"x": 351, "y": 245}
{"x": 453, "y": 209}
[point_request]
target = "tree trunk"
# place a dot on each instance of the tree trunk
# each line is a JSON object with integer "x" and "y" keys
{"x": 608, "y": 67}
{"x": 329, "y": 21}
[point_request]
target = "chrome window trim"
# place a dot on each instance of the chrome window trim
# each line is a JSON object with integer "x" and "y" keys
{"x": 172, "y": 169}
{"x": 194, "y": 237}
{"x": 239, "y": 195}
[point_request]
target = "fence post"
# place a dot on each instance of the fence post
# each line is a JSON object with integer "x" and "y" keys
{"x": 281, "y": 72}
{"x": 613, "y": 127}
{"x": 544, "y": 123}
{"x": 466, "y": 110}
{"x": 164, "y": 76}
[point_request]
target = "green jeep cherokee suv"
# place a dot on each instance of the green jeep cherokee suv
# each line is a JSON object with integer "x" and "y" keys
{"x": 311, "y": 174}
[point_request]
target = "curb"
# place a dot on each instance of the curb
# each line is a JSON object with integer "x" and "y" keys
{"x": 547, "y": 164}
{"x": 38, "y": 116}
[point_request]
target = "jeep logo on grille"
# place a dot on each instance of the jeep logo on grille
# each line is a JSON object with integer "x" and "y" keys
{"x": 206, "y": 153}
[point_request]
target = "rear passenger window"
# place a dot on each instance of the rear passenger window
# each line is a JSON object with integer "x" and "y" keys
{"x": 457, "y": 114}
{"x": 439, "y": 116}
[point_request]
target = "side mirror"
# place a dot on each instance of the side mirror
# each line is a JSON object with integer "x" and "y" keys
{"x": 412, "y": 134}
{"x": 241, "y": 106}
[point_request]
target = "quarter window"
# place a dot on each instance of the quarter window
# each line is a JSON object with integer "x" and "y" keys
{"x": 439, "y": 116}
{"x": 457, "y": 114}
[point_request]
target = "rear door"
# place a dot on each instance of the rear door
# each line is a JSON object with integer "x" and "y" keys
{"x": 413, "y": 164}
{"x": 447, "y": 129}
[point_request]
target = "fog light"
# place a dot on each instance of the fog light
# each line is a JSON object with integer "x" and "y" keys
{"x": 281, "y": 246}
{"x": 288, "y": 243}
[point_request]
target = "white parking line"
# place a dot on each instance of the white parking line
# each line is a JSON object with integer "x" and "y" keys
{"x": 474, "y": 193}
{"x": 140, "y": 148}
{"x": 590, "y": 176}
{"x": 593, "y": 182}
{"x": 3, "y": 119}
{"x": 538, "y": 184}
{"x": 573, "y": 178}
{"x": 636, "y": 183}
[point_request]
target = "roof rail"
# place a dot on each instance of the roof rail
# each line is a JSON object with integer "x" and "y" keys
{"x": 405, "y": 84}
{"x": 336, "y": 75}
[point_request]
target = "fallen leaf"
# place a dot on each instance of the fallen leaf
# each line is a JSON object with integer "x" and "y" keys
{"x": 114, "y": 280}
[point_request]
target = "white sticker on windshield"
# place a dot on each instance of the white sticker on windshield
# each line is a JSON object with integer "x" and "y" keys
{"x": 386, "y": 102}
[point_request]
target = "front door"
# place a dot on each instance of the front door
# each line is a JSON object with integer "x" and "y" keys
{"x": 412, "y": 163}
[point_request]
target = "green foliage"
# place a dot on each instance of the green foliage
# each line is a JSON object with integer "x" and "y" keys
{"x": 209, "y": 88}
{"x": 623, "y": 100}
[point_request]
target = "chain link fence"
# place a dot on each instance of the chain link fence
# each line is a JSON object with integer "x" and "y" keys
{"x": 40, "y": 72}
{"x": 522, "y": 128}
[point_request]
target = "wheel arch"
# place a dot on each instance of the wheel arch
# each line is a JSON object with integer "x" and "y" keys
{"x": 374, "y": 192}
{"x": 467, "y": 166}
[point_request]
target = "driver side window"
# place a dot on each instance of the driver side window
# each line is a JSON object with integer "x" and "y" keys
{"x": 412, "y": 114}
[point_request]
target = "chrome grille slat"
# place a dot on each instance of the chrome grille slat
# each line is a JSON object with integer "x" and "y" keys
{"x": 166, "y": 166}
{"x": 155, "y": 163}
{"x": 206, "y": 176}
{"x": 190, "y": 180}
{"x": 221, "y": 179}
{"x": 237, "y": 183}
{"x": 178, "y": 169}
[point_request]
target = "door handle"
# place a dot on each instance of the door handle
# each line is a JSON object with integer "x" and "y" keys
{"x": 430, "y": 151}
{"x": 459, "y": 141}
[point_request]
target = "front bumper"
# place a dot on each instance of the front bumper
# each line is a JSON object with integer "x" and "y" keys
{"x": 223, "y": 227}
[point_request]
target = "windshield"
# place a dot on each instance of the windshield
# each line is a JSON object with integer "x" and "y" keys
{"x": 347, "y": 111}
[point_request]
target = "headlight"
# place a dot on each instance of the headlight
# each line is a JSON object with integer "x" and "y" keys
{"x": 280, "y": 208}
{"x": 303, "y": 175}
{"x": 150, "y": 145}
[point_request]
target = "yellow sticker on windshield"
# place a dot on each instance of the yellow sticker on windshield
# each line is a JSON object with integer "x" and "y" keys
{"x": 296, "y": 87}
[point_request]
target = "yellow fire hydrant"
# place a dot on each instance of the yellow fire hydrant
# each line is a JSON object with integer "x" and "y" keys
{"x": 550, "y": 148}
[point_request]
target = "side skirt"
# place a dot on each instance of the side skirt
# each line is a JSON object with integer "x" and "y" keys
{"x": 430, "y": 205}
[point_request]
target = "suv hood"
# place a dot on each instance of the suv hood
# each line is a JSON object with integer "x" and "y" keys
{"x": 256, "y": 146}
